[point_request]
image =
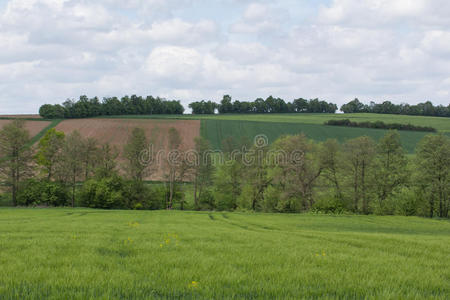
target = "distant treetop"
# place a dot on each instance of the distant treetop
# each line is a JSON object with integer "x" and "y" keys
{"x": 387, "y": 107}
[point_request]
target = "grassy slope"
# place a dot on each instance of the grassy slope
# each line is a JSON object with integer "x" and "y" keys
{"x": 64, "y": 253}
{"x": 216, "y": 130}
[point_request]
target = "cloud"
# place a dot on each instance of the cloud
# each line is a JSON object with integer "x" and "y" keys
{"x": 52, "y": 50}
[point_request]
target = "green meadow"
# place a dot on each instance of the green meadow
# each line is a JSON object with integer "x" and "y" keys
{"x": 96, "y": 254}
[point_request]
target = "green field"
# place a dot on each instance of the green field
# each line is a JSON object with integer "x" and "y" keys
{"x": 95, "y": 254}
{"x": 217, "y": 130}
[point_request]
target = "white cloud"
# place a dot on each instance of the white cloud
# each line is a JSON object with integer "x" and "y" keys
{"x": 374, "y": 49}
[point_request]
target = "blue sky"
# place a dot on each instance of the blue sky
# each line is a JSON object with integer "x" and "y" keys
{"x": 376, "y": 50}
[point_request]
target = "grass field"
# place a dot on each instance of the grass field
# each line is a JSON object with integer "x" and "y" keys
{"x": 82, "y": 254}
{"x": 217, "y": 130}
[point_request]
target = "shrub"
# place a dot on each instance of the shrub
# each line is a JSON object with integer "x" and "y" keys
{"x": 103, "y": 193}
{"x": 34, "y": 192}
{"x": 379, "y": 125}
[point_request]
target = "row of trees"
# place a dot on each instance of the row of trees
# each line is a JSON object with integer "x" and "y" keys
{"x": 91, "y": 107}
{"x": 387, "y": 107}
{"x": 294, "y": 174}
{"x": 50, "y": 174}
{"x": 269, "y": 105}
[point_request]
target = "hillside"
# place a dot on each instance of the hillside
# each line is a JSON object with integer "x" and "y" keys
{"x": 215, "y": 128}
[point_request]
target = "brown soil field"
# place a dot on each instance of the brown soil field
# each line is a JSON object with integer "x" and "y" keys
{"x": 21, "y": 116}
{"x": 34, "y": 127}
{"x": 116, "y": 132}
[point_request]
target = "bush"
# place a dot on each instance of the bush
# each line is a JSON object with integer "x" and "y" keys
{"x": 103, "y": 193}
{"x": 116, "y": 193}
{"x": 329, "y": 204}
{"x": 379, "y": 125}
{"x": 34, "y": 192}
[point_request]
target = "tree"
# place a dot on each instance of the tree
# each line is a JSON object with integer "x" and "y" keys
{"x": 296, "y": 172}
{"x": 49, "y": 151}
{"x": 90, "y": 156}
{"x": 391, "y": 169}
{"x": 359, "y": 158}
{"x": 329, "y": 159}
{"x": 136, "y": 145}
{"x": 433, "y": 163}
{"x": 203, "y": 169}
{"x": 107, "y": 161}
{"x": 354, "y": 106}
{"x": 15, "y": 155}
{"x": 176, "y": 166}
{"x": 256, "y": 180}
{"x": 70, "y": 168}
{"x": 225, "y": 105}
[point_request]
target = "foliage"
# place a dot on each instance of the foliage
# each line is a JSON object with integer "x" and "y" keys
{"x": 433, "y": 161}
{"x": 269, "y": 105}
{"x": 15, "y": 156}
{"x": 203, "y": 107}
{"x": 103, "y": 193}
{"x": 387, "y": 107}
{"x": 49, "y": 151}
{"x": 379, "y": 125}
{"x": 43, "y": 192}
{"x": 134, "y": 105}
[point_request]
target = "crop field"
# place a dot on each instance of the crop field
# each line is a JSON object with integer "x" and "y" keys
{"x": 217, "y": 130}
{"x": 116, "y": 131}
{"x": 34, "y": 127}
{"x": 95, "y": 254}
{"x": 441, "y": 124}
{"x": 217, "y": 127}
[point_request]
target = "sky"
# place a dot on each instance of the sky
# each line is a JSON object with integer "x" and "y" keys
{"x": 189, "y": 50}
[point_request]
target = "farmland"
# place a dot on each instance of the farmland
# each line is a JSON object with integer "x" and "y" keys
{"x": 34, "y": 127}
{"x": 216, "y": 130}
{"x": 217, "y": 127}
{"x": 441, "y": 124}
{"x": 81, "y": 253}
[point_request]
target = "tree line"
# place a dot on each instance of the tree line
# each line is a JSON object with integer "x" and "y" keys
{"x": 293, "y": 174}
{"x": 387, "y": 107}
{"x": 379, "y": 125}
{"x": 261, "y": 106}
{"x": 86, "y": 107}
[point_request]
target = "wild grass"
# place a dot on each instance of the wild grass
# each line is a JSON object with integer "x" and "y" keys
{"x": 96, "y": 254}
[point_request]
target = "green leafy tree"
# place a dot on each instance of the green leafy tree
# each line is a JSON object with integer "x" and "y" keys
{"x": 330, "y": 155}
{"x": 107, "y": 161}
{"x": 433, "y": 168}
{"x": 49, "y": 151}
{"x": 358, "y": 158}
{"x": 391, "y": 166}
{"x": 15, "y": 156}
{"x": 137, "y": 145}
{"x": 175, "y": 167}
{"x": 202, "y": 170}
{"x": 70, "y": 167}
